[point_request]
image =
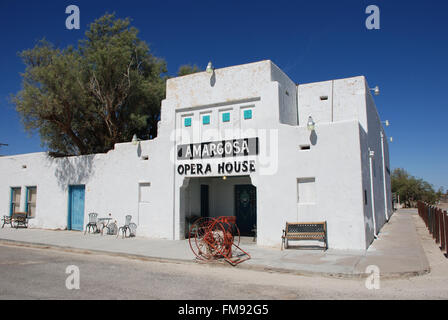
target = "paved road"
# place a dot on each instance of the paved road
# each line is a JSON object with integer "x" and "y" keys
{"x": 36, "y": 273}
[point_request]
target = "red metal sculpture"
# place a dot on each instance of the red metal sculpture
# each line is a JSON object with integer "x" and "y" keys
{"x": 214, "y": 238}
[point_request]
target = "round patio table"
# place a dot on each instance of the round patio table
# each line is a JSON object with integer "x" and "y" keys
{"x": 103, "y": 223}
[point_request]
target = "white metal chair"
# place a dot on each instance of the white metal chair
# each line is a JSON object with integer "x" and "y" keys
{"x": 132, "y": 229}
{"x": 92, "y": 225}
{"x": 124, "y": 229}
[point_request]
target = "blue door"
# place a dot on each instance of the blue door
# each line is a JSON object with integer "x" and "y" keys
{"x": 76, "y": 207}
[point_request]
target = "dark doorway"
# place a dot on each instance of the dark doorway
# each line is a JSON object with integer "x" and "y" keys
{"x": 246, "y": 208}
{"x": 204, "y": 201}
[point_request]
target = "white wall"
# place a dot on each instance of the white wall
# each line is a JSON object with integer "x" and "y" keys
{"x": 350, "y": 99}
{"x": 347, "y": 125}
{"x": 373, "y": 143}
{"x": 335, "y": 164}
{"x": 111, "y": 185}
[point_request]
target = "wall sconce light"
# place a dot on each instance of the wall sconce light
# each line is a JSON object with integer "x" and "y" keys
{"x": 135, "y": 140}
{"x": 391, "y": 139}
{"x": 387, "y": 123}
{"x": 311, "y": 125}
{"x": 210, "y": 68}
{"x": 224, "y": 177}
{"x": 376, "y": 90}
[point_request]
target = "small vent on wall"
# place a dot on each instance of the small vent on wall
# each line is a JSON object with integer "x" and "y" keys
{"x": 145, "y": 157}
{"x": 323, "y": 97}
{"x": 305, "y": 147}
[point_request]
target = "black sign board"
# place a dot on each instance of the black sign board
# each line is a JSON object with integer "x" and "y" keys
{"x": 218, "y": 149}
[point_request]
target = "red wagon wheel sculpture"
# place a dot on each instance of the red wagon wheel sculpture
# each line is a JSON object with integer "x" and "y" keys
{"x": 214, "y": 238}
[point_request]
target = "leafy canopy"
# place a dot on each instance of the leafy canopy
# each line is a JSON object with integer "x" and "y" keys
{"x": 84, "y": 100}
{"x": 412, "y": 189}
{"x": 187, "y": 69}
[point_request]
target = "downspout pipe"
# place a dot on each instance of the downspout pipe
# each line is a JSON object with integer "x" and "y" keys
{"x": 372, "y": 193}
{"x": 386, "y": 206}
{"x": 174, "y": 177}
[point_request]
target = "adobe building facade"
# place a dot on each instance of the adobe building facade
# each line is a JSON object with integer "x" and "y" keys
{"x": 234, "y": 142}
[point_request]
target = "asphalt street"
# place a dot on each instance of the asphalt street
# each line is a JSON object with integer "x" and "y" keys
{"x": 41, "y": 273}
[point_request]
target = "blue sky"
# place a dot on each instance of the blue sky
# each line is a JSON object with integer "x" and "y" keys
{"x": 309, "y": 40}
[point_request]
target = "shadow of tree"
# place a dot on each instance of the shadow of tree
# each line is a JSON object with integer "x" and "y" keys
{"x": 72, "y": 170}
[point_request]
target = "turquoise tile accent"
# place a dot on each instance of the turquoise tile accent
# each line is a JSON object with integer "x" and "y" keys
{"x": 187, "y": 122}
{"x": 247, "y": 114}
{"x": 206, "y": 120}
{"x": 226, "y": 117}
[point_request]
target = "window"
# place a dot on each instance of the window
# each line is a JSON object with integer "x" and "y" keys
{"x": 187, "y": 122}
{"x": 247, "y": 114}
{"x": 206, "y": 119}
{"x": 144, "y": 192}
{"x": 226, "y": 117}
{"x": 31, "y": 193}
{"x": 15, "y": 200}
{"x": 306, "y": 190}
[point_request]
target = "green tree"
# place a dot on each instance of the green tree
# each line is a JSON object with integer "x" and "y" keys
{"x": 187, "y": 69}
{"x": 84, "y": 100}
{"x": 412, "y": 189}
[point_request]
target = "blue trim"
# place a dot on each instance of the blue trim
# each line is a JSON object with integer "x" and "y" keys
{"x": 70, "y": 225}
{"x": 26, "y": 201}
{"x": 247, "y": 114}
{"x": 69, "y": 215}
{"x": 10, "y": 201}
{"x": 226, "y": 117}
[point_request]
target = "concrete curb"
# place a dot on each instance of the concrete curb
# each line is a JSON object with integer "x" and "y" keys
{"x": 222, "y": 264}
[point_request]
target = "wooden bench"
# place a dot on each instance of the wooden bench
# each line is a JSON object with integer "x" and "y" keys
{"x": 19, "y": 218}
{"x": 305, "y": 231}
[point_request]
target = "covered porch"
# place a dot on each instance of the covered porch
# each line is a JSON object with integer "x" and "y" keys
{"x": 219, "y": 196}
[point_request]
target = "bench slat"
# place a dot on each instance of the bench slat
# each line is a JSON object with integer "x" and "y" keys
{"x": 305, "y": 231}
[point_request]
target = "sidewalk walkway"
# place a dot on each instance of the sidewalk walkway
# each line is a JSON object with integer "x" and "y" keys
{"x": 397, "y": 251}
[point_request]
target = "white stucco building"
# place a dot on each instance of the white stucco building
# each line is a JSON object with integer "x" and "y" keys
{"x": 231, "y": 142}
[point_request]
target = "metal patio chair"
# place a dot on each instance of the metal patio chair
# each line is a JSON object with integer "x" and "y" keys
{"x": 7, "y": 220}
{"x": 132, "y": 229}
{"x": 93, "y": 221}
{"x": 124, "y": 229}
